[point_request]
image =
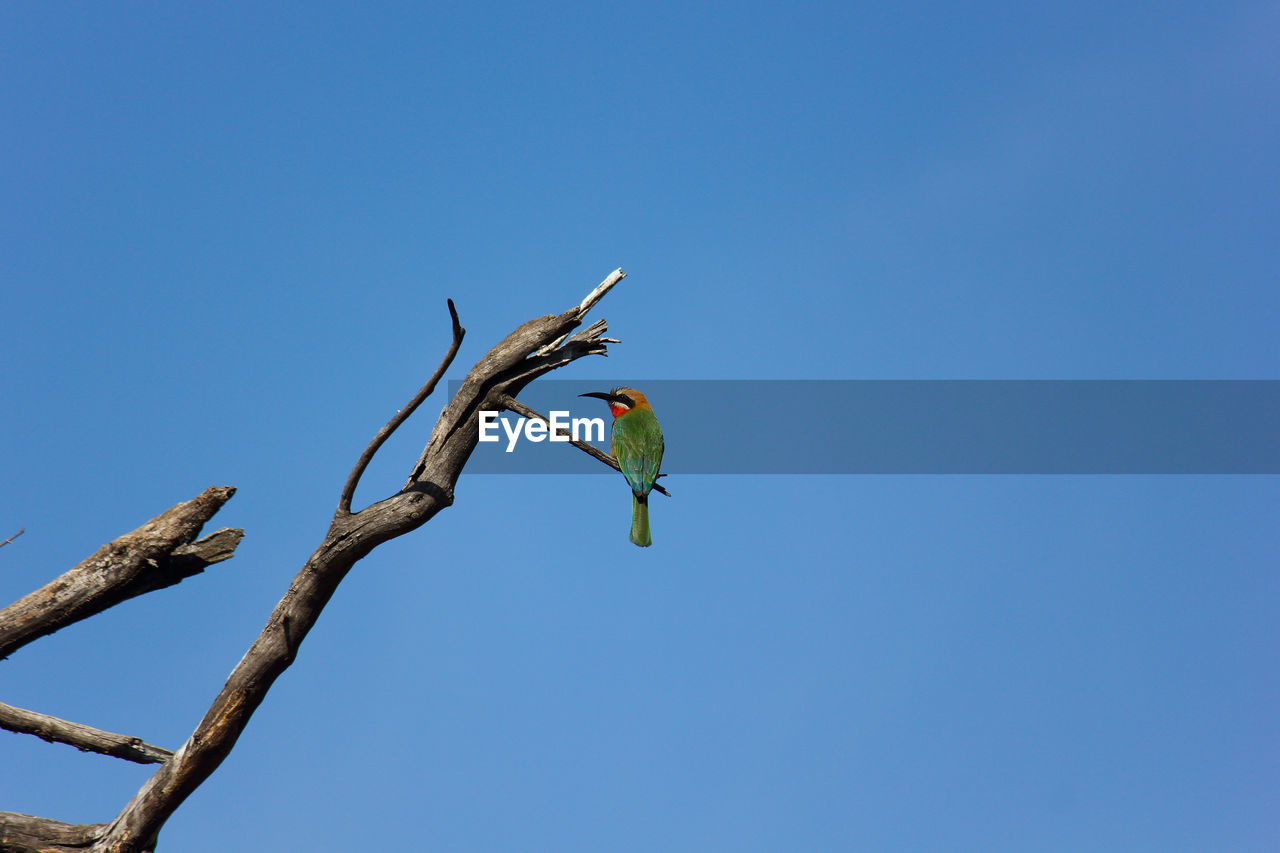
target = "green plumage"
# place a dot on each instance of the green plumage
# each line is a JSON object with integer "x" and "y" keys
{"x": 637, "y": 445}
{"x": 640, "y": 521}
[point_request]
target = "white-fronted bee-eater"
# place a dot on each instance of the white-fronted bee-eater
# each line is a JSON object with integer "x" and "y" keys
{"x": 636, "y": 444}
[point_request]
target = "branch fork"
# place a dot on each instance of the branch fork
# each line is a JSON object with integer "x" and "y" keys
{"x": 531, "y": 350}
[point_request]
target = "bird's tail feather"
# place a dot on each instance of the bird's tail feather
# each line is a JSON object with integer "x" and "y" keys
{"x": 640, "y": 520}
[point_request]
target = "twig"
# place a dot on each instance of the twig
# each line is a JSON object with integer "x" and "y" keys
{"x": 349, "y": 488}
{"x": 591, "y": 450}
{"x": 82, "y": 737}
{"x": 13, "y": 537}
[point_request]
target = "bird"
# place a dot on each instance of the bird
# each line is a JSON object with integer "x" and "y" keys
{"x": 636, "y": 444}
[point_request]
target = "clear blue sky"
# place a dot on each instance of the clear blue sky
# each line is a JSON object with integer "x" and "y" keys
{"x": 226, "y": 237}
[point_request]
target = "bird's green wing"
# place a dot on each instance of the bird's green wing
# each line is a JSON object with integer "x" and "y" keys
{"x": 638, "y": 445}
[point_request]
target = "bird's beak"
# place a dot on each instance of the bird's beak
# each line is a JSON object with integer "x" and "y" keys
{"x": 599, "y": 395}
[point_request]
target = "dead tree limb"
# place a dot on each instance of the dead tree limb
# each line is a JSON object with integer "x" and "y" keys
{"x": 591, "y": 450}
{"x": 532, "y": 350}
{"x": 22, "y": 833}
{"x": 13, "y": 537}
{"x": 158, "y": 554}
{"x": 349, "y": 488}
{"x": 82, "y": 737}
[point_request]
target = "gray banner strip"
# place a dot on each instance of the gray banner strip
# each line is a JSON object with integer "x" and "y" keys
{"x": 926, "y": 427}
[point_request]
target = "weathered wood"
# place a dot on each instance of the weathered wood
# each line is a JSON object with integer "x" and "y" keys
{"x": 204, "y": 552}
{"x": 22, "y": 833}
{"x": 158, "y": 554}
{"x": 82, "y": 737}
{"x": 533, "y": 349}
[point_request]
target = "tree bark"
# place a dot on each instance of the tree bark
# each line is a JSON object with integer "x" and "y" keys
{"x": 160, "y": 553}
{"x": 22, "y": 833}
{"x": 82, "y": 737}
{"x": 532, "y": 350}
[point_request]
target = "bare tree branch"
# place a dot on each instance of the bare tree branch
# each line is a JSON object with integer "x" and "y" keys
{"x": 22, "y": 833}
{"x": 82, "y": 737}
{"x": 522, "y": 356}
{"x": 516, "y": 361}
{"x": 600, "y": 290}
{"x": 160, "y": 553}
{"x": 590, "y": 449}
{"x": 13, "y": 537}
{"x": 349, "y": 488}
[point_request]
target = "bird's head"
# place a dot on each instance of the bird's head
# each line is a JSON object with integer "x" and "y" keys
{"x": 620, "y": 400}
